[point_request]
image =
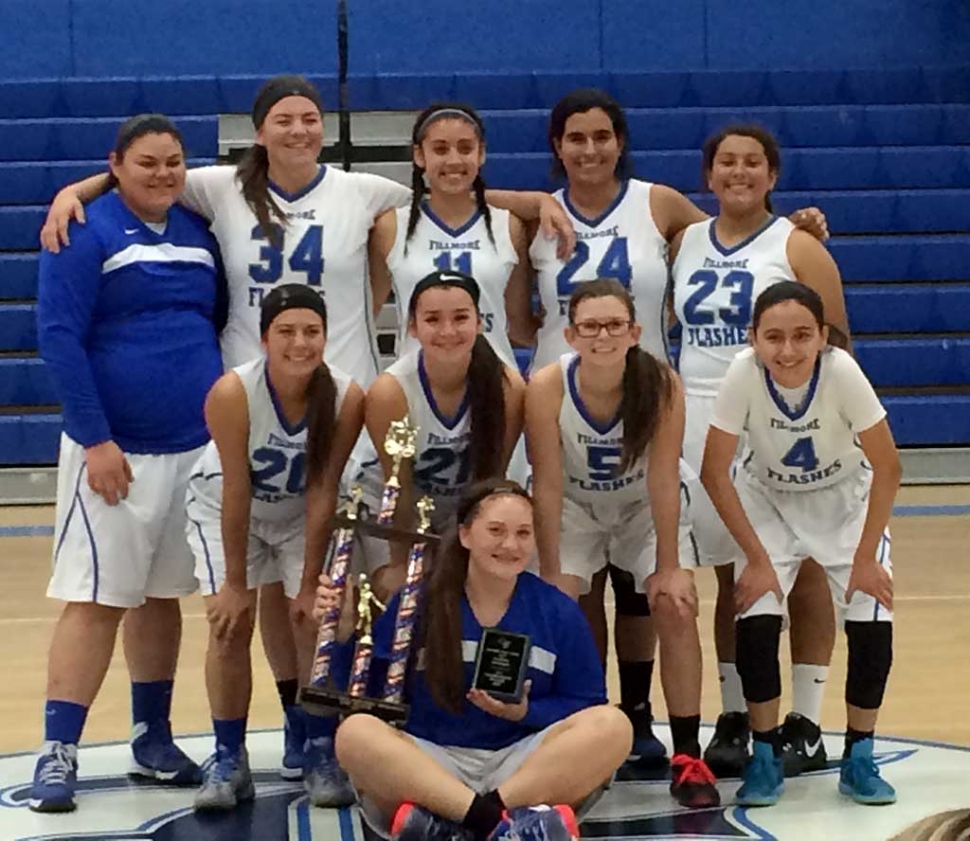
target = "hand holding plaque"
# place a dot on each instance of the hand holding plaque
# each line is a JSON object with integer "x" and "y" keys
{"x": 501, "y": 664}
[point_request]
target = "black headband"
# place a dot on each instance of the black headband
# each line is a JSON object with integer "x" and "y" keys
{"x": 280, "y": 87}
{"x": 290, "y": 296}
{"x": 462, "y": 281}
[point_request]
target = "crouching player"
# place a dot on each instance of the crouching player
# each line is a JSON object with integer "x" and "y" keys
{"x": 819, "y": 479}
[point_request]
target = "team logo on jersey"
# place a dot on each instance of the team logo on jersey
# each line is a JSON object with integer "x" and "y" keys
{"x": 929, "y": 777}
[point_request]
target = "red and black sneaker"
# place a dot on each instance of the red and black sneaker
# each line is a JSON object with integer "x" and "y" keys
{"x": 415, "y": 823}
{"x": 692, "y": 784}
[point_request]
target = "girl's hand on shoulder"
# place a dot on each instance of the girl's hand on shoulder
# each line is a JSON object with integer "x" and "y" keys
{"x": 811, "y": 220}
{"x": 554, "y": 223}
{"x": 501, "y": 709}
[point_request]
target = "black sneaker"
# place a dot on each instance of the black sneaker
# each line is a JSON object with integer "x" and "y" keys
{"x": 727, "y": 752}
{"x": 802, "y": 748}
{"x": 647, "y": 749}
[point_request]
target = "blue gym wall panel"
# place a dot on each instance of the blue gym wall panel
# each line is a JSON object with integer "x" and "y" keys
{"x": 653, "y": 34}
{"x": 35, "y": 39}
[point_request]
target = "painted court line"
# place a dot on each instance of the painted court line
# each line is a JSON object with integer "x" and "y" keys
{"x": 898, "y": 511}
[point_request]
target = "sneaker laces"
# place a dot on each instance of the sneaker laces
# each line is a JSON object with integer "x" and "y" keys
{"x": 58, "y": 766}
{"x": 219, "y": 767}
{"x": 692, "y": 770}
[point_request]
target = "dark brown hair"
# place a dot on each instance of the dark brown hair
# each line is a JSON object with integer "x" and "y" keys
{"x": 455, "y": 111}
{"x": 579, "y": 102}
{"x": 486, "y": 385}
{"x": 646, "y": 380}
{"x": 138, "y": 126}
{"x": 756, "y": 132}
{"x": 252, "y": 171}
{"x": 439, "y": 631}
{"x": 321, "y": 411}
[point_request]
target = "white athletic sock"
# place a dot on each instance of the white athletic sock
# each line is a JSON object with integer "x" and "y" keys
{"x": 732, "y": 695}
{"x": 808, "y": 689}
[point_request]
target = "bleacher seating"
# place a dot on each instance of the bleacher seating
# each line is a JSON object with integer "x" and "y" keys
{"x": 886, "y": 154}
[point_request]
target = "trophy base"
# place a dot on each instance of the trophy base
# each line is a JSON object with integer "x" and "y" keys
{"x": 320, "y": 700}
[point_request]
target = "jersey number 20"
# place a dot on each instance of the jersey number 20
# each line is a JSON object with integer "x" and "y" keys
{"x": 276, "y": 462}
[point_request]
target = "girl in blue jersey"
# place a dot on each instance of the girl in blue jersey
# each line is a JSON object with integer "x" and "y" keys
{"x": 466, "y": 402}
{"x": 464, "y": 759}
{"x": 605, "y": 426}
{"x": 819, "y": 477}
{"x": 450, "y": 226}
{"x": 718, "y": 267}
{"x": 623, "y": 226}
{"x": 125, "y": 315}
{"x": 259, "y": 503}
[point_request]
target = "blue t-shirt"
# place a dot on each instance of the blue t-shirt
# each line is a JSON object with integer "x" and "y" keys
{"x": 564, "y": 667}
{"x": 125, "y": 325}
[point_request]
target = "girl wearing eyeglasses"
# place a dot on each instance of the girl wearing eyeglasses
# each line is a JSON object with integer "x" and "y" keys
{"x": 605, "y": 426}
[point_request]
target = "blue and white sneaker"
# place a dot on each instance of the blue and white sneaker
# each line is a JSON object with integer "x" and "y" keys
{"x": 537, "y": 823}
{"x": 226, "y": 782}
{"x": 155, "y": 756}
{"x": 415, "y": 823}
{"x": 294, "y": 738}
{"x": 55, "y": 779}
{"x": 859, "y": 777}
{"x": 325, "y": 781}
{"x": 764, "y": 780}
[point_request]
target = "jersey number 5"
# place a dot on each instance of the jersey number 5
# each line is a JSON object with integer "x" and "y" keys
{"x": 603, "y": 462}
{"x": 306, "y": 257}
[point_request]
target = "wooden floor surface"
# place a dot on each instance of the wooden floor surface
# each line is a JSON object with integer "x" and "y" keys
{"x": 927, "y": 697}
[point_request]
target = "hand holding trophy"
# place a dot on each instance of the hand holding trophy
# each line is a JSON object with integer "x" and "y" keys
{"x": 320, "y": 697}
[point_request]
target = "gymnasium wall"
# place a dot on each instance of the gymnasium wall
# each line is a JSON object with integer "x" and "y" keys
{"x": 44, "y": 38}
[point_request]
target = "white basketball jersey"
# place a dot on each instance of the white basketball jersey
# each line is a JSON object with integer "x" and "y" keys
{"x": 623, "y": 243}
{"x": 442, "y": 460}
{"x": 591, "y": 451}
{"x": 714, "y": 292}
{"x": 324, "y": 245}
{"x": 277, "y": 449}
{"x": 435, "y": 246}
{"x": 811, "y": 446}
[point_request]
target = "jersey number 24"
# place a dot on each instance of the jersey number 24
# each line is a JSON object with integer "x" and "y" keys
{"x": 615, "y": 264}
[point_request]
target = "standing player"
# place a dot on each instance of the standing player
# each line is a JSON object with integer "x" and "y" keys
{"x": 258, "y": 504}
{"x": 605, "y": 426}
{"x": 455, "y": 229}
{"x": 281, "y": 217}
{"x": 467, "y": 766}
{"x": 819, "y": 478}
{"x": 465, "y": 401}
{"x": 123, "y": 316}
{"x": 719, "y": 267}
{"x": 623, "y": 226}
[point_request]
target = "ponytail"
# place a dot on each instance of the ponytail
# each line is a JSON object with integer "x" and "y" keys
{"x": 417, "y": 196}
{"x": 478, "y": 185}
{"x": 646, "y": 391}
{"x": 321, "y": 422}
{"x": 486, "y": 399}
{"x": 253, "y": 175}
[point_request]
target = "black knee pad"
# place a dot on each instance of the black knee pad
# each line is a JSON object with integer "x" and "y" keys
{"x": 756, "y": 656}
{"x": 628, "y": 601}
{"x": 870, "y": 659}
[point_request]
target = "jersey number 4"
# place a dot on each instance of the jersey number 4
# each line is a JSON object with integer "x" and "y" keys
{"x": 306, "y": 257}
{"x": 615, "y": 264}
{"x": 737, "y": 314}
{"x": 275, "y": 463}
{"x": 801, "y": 454}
